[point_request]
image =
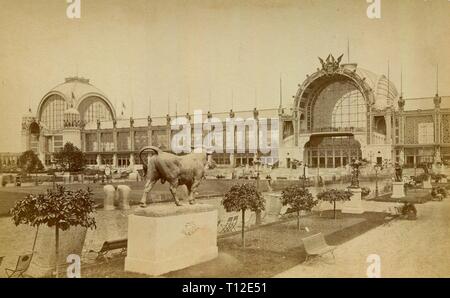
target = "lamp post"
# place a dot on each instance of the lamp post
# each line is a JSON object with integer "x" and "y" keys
{"x": 304, "y": 175}
{"x": 377, "y": 167}
{"x": 53, "y": 162}
{"x": 258, "y": 213}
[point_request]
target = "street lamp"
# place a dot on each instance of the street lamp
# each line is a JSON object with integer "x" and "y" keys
{"x": 377, "y": 167}
{"x": 258, "y": 213}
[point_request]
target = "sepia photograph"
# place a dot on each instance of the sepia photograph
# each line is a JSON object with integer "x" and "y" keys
{"x": 200, "y": 139}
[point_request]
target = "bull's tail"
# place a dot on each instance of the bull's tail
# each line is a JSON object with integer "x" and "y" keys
{"x": 154, "y": 150}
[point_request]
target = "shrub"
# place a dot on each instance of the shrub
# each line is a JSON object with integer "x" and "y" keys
{"x": 365, "y": 191}
{"x": 409, "y": 211}
{"x": 70, "y": 158}
{"x": 439, "y": 190}
{"x": 437, "y": 177}
{"x": 30, "y": 162}
{"x": 421, "y": 178}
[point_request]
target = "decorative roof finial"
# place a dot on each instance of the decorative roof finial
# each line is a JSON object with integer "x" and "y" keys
{"x": 331, "y": 64}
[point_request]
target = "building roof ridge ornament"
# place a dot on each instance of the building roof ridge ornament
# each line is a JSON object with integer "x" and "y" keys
{"x": 331, "y": 65}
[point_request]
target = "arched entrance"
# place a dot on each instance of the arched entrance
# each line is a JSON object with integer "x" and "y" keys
{"x": 35, "y": 131}
{"x": 331, "y": 151}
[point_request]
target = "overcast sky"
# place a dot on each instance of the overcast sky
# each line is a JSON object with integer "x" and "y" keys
{"x": 136, "y": 49}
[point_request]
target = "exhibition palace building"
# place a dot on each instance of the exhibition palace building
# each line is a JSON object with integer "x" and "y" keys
{"x": 339, "y": 112}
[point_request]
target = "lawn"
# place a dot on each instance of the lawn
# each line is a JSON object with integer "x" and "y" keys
{"x": 9, "y": 195}
{"x": 270, "y": 249}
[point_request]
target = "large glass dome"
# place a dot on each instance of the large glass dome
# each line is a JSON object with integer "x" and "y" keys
{"x": 78, "y": 93}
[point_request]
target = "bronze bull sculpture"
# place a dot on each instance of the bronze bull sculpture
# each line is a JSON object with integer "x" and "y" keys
{"x": 186, "y": 170}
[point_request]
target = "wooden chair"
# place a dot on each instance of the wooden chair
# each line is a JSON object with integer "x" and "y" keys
{"x": 23, "y": 262}
{"x": 315, "y": 246}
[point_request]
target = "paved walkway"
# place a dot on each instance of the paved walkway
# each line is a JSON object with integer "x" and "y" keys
{"x": 418, "y": 248}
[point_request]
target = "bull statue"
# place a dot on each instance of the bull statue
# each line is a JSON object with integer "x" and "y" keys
{"x": 186, "y": 170}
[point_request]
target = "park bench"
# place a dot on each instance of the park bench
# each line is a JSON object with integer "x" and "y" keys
{"x": 315, "y": 246}
{"x": 110, "y": 246}
{"x": 23, "y": 262}
{"x": 229, "y": 225}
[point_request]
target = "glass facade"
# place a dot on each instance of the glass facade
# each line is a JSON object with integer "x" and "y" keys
{"x": 91, "y": 142}
{"x": 123, "y": 141}
{"x": 140, "y": 139}
{"x": 426, "y": 133}
{"x": 123, "y": 161}
{"x": 350, "y": 111}
{"x": 106, "y": 142}
{"x": 57, "y": 143}
{"x": 331, "y": 152}
{"x": 339, "y": 105}
{"x": 52, "y": 112}
{"x": 97, "y": 110}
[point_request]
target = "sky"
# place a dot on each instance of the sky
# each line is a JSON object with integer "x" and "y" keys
{"x": 209, "y": 54}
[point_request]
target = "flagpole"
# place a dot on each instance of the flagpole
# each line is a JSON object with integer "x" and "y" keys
{"x": 150, "y": 106}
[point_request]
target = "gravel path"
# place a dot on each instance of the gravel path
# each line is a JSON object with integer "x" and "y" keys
{"x": 418, "y": 248}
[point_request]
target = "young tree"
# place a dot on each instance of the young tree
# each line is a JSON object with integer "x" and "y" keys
{"x": 29, "y": 162}
{"x": 60, "y": 209}
{"x": 242, "y": 197}
{"x": 333, "y": 195}
{"x": 298, "y": 198}
{"x": 70, "y": 158}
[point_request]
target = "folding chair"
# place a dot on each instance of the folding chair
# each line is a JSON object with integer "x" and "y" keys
{"x": 229, "y": 225}
{"x": 393, "y": 213}
{"x": 23, "y": 262}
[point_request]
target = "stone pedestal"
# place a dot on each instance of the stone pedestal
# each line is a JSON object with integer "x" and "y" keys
{"x": 398, "y": 190}
{"x": 124, "y": 196}
{"x": 273, "y": 203}
{"x": 354, "y": 206}
{"x": 427, "y": 184}
{"x": 164, "y": 238}
{"x": 110, "y": 193}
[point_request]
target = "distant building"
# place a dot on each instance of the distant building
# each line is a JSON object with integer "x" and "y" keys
{"x": 339, "y": 112}
{"x": 8, "y": 160}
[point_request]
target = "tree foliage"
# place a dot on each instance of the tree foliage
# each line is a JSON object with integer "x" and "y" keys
{"x": 62, "y": 208}
{"x": 334, "y": 195}
{"x": 30, "y": 162}
{"x": 242, "y": 197}
{"x": 298, "y": 199}
{"x": 70, "y": 158}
